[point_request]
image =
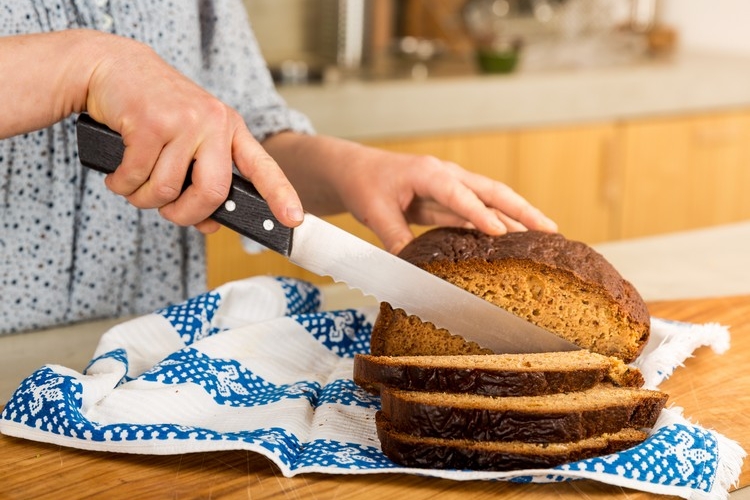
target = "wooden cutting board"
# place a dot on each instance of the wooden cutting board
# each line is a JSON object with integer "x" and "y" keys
{"x": 712, "y": 389}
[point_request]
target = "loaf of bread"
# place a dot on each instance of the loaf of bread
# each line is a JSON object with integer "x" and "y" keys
{"x": 529, "y": 374}
{"x": 561, "y": 285}
{"x": 448, "y": 403}
{"x": 550, "y": 418}
{"x": 439, "y": 453}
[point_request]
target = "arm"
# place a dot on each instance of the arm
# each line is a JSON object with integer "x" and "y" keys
{"x": 41, "y": 83}
{"x": 387, "y": 191}
{"x": 165, "y": 120}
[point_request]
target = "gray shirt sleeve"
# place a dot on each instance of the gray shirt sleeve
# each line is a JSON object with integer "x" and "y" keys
{"x": 235, "y": 71}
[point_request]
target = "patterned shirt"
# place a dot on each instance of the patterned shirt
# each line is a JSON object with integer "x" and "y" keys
{"x": 70, "y": 250}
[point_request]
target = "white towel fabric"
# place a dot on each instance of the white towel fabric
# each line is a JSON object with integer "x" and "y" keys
{"x": 257, "y": 365}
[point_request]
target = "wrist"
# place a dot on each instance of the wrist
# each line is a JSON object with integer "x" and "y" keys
{"x": 50, "y": 78}
{"x": 95, "y": 59}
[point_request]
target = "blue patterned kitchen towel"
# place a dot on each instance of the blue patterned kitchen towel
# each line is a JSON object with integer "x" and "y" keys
{"x": 261, "y": 365}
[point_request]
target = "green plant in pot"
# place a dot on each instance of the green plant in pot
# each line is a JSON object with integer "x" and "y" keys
{"x": 488, "y": 23}
{"x": 499, "y": 59}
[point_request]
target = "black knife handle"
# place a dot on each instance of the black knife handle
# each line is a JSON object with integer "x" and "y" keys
{"x": 244, "y": 210}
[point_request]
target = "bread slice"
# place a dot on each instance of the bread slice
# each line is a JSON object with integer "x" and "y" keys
{"x": 552, "y": 418}
{"x": 440, "y": 453}
{"x": 561, "y": 285}
{"x": 494, "y": 374}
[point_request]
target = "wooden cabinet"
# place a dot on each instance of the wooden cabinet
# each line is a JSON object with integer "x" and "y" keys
{"x": 227, "y": 260}
{"x": 599, "y": 182}
{"x": 570, "y": 174}
{"x": 684, "y": 173}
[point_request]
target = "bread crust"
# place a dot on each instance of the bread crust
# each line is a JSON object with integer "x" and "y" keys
{"x": 542, "y": 419}
{"x": 512, "y": 375}
{"x": 436, "y": 453}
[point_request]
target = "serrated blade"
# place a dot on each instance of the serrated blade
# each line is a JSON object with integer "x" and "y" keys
{"x": 326, "y": 250}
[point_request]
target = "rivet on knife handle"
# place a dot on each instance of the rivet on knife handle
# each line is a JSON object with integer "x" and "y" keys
{"x": 244, "y": 210}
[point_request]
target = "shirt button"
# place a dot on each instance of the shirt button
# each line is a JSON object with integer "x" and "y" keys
{"x": 107, "y": 22}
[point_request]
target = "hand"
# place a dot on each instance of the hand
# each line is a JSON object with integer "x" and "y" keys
{"x": 401, "y": 189}
{"x": 167, "y": 121}
{"x": 387, "y": 191}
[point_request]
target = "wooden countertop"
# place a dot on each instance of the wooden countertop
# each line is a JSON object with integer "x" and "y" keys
{"x": 711, "y": 388}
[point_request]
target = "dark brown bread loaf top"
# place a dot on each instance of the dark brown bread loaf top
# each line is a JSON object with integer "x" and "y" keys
{"x": 439, "y": 453}
{"x": 448, "y": 244}
{"x": 456, "y": 244}
{"x": 528, "y": 374}
{"x": 551, "y": 418}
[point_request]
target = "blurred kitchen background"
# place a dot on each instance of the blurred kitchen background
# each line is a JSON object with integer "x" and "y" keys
{"x": 386, "y": 38}
{"x": 619, "y": 118}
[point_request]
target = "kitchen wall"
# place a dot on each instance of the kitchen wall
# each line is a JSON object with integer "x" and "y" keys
{"x": 282, "y": 28}
{"x": 309, "y": 30}
{"x": 710, "y": 24}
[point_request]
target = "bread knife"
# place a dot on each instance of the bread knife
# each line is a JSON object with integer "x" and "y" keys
{"x": 327, "y": 250}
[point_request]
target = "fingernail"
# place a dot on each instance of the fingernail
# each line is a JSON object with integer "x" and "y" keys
{"x": 550, "y": 224}
{"x": 396, "y": 248}
{"x": 498, "y": 227}
{"x": 295, "y": 213}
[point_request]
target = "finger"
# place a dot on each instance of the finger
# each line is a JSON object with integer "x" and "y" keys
{"x": 211, "y": 177}
{"x": 514, "y": 207}
{"x": 256, "y": 165}
{"x": 533, "y": 218}
{"x": 208, "y": 226}
{"x": 141, "y": 154}
{"x": 510, "y": 224}
{"x": 389, "y": 225}
{"x": 166, "y": 180}
{"x": 448, "y": 190}
{"x": 431, "y": 213}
